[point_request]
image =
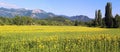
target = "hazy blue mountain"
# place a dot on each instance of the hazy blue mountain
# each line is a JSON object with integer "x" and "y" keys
{"x": 82, "y": 18}
{"x": 36, "y": 13}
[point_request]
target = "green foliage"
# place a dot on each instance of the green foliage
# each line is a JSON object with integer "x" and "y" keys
{"x": 96, "y": 19}
{"x": 22, "y": 20}
{"x": 17, "y": 20}
{"x": 108, "y": 16}
{"x": 5, "y": 21}
{"x": 1, "y": 22}
{"x": 103, "y": 23}
{"x": 108, "y": 21}
{"x": 117, "y": 21}
{"x": 25, "y": 20}
{"x": 99, "y": 18}
{"x": 58, "y": 21}
{"x": 76, "y": 23}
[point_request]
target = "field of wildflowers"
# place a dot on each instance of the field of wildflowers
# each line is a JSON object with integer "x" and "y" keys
{"x": 58, "y": 39}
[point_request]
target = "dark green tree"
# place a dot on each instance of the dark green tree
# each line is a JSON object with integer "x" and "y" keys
{"x": 76, "y": 23}
{"x": 17, "y": 20}
{"x": 1, "y": 22}
{"x": 108, "y": 15}
{"x": 103, "y": 23}
{"x": 117, "y": 21}
{"x": 99, "y": 20}
{"x": 30, "y": 21}
{"x": 96, "y": 18}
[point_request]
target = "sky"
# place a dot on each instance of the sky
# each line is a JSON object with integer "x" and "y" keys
{"x": 64, "y": 7}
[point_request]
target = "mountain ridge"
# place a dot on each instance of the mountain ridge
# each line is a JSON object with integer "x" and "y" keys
{"x": 38, "y": 13}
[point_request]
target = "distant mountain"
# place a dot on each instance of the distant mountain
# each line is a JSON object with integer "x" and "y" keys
{"x": 82, "y": 18}
{"x": 36, "y": 13}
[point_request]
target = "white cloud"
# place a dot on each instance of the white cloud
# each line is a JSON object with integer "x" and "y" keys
{"x": 7, "y": 5}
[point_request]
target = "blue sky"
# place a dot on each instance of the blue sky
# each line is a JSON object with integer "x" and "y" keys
{"x": 64, "y": 7}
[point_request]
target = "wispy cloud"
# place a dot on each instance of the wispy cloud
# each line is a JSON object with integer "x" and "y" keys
{"x": 8, "y": 5}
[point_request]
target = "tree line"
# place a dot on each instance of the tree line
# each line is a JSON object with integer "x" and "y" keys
{"x": 108, "y": 21}
{"x": 26, "y": 20}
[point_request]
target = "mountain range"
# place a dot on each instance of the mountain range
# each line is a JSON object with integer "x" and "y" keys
{"x": 38, "y": 13}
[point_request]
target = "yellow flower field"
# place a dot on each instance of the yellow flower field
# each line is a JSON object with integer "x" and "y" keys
{"x": 58, "y": 39}
{"x": 48, "y": 29}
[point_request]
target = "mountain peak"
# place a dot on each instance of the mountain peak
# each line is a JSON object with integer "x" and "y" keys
{"x": 38, "y": 11}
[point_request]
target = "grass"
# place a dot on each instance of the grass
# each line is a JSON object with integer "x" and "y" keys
{"x": 58, "y": 39}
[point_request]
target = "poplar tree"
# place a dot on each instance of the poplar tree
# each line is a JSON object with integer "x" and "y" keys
{"x": 99, "y": 18}
{"x": 108, "y": 15}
